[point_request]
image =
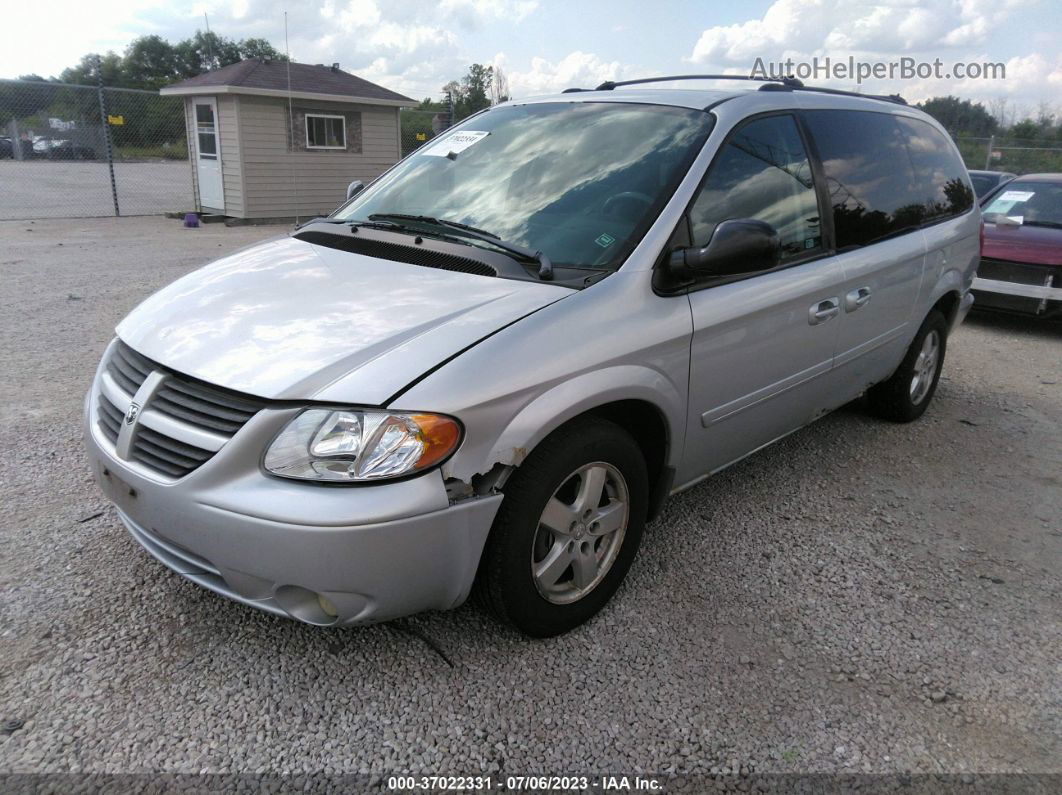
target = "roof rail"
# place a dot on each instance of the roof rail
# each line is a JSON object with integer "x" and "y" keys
{"x": 769, "y": 84}
{"x": 894, "y": 98}
{"x": 608, "y": 85}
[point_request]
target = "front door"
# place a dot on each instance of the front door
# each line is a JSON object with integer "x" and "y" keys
{"x": 762, "y": 345}
{"x": 208, "y": 154}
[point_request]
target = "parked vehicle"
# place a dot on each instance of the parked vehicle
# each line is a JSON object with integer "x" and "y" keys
{"x": 1021, "y": 267}
{"x": 493, "y": 365}
{"x": 41, "y": 145}
{"x": 68, "y": 150}
{"x": 7, "y": 149}
{"x": 984, "y": 182}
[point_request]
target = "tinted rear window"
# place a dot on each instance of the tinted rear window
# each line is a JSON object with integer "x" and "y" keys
{"x": 983, "y": 183}
{"x": 942, "y": 182}
{"x": 868, "y": 175}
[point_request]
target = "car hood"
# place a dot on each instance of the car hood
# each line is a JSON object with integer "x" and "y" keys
{"x": 292, "y": 320}
{"x": 1036, "y": 245}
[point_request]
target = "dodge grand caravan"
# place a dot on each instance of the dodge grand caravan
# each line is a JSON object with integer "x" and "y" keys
{"x": 487, "y": 370}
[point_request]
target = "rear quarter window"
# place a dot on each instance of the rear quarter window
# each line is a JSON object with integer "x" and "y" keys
{"x": 940, "y": 175}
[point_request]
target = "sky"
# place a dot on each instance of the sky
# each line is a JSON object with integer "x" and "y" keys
{"x": 545, "y": 46}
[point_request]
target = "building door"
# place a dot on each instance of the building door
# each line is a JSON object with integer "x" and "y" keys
{"x": 208, "y": 154}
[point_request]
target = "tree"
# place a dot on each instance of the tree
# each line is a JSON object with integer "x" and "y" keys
{"x": 109, "y": 66}
{"x": 476, "y": 85}
{"x": 150, "y": 62}
{"x": 961, "y": 116}
{"x": 260, "y": 49}
{"x": 1026, "y": 129}
{"x": 500, "y": 89}
{"x": 205, "y": 51}
{"x": 472, "y": 93}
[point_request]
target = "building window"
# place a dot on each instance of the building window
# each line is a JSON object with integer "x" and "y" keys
{"x": 325, "y": 132}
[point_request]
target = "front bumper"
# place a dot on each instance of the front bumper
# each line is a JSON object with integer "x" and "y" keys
{"x": 374, "y": 552}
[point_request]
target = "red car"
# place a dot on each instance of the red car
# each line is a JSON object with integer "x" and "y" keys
{"x": 1021, "y": 262}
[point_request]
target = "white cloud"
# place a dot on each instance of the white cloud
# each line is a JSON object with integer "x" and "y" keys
{"x": 576, "y": 69}
{"x": 470, "y": 13}
{"x": 813, "y": 27}
{"x": 885, "y": 31}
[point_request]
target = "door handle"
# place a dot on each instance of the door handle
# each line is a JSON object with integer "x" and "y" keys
{"x": 856, "y": 299}
{"x": 823, "y": 311}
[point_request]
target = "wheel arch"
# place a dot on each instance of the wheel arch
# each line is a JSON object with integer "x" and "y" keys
{"x": 946, "y": 295}
{"x": 639, "y": 399}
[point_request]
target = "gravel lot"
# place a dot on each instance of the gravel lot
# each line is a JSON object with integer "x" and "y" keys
{"x": 861, "y": 597}
{"x": 65, "y": 189}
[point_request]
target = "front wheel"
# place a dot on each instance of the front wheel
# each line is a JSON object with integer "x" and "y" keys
{"x": 567, "y": 530}
{"x": 906, "y": 395}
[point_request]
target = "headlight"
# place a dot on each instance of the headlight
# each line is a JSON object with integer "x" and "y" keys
{"x": 360, "y": 445}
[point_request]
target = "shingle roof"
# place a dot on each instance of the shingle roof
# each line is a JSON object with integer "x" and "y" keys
{"x": 305, "y": 79}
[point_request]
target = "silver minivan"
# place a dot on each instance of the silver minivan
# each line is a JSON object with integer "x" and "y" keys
{"x": 486, "y": 371}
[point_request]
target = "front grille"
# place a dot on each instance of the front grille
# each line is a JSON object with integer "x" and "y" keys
{"x": 206, "y": 407}
{"x": 1016, "y": 272}
{"x": 128, "y": 368}
{"x": 183, "y": 414}
{"x": 110, "y": 417}
{"x": 164, "y": 454}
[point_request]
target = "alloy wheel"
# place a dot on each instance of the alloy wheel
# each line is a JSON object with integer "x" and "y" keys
{"x": 580, "y": 533}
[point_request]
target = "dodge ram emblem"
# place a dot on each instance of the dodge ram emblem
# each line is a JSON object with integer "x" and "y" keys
{"x": 131, "y": 414}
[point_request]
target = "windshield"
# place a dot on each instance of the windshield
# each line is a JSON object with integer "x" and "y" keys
{"x": 1029, "y": 203}
{"x": 579, "y": 181}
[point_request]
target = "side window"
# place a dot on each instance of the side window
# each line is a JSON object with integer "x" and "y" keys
{"x": 762, "y": 172}
{"x": 940, "y": 174}
{"x": 868, "y": 175}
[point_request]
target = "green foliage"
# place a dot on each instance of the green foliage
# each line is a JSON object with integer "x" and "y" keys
{"x": 961, "y": 116}
{"x": 472, "y": 92}
{"x": 165, "y": 151}
{"x": 1026, "y": 147}
{"x": 151, "y": 62}
{"x": 1026, "y": 128}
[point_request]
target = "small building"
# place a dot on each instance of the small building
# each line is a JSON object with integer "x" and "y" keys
{"x": 266, "y": 142}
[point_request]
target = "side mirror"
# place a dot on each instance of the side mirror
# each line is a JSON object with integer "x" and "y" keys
{"x": 354, "y": 188}
{"x": 738, "y": 246}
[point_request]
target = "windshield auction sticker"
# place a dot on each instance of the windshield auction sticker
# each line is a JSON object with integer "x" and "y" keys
{"x": 1017, "y": 196}
{"x": 455, "y": 144}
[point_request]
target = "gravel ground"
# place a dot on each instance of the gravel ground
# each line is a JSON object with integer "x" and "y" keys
{"x": 861, "y": 597}
{"x": 65, "y": 189}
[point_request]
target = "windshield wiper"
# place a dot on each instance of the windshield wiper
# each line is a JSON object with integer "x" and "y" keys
{"x": 545, "y": 267}
{"x": 1048, "y": 224}
{"x": 327, "y": 219}
{"x": 429, "y": 219}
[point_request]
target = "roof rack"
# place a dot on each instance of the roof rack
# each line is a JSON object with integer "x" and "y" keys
{"x": 895, "y": 98}
{"x": 769, "y": 84}
{"x": 608, "y": 85}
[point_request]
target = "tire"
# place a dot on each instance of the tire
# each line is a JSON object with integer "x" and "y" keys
{"x": 907, "y": 394}
{"x": 581, "y": 566}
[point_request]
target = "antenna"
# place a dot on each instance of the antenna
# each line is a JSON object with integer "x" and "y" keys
{"x": 291, "y": 123}
{"x": 210, "y": 48}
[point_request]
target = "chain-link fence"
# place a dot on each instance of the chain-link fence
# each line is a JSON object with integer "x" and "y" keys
{"x": 420, "y": 126}
{"x": 70, "y": 151}
{"x": 1016, "y": 155}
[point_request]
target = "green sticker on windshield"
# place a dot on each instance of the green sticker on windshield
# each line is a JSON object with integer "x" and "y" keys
{"x": 605, "y": 240}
